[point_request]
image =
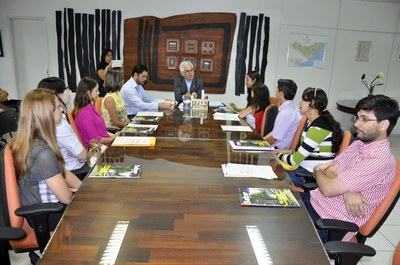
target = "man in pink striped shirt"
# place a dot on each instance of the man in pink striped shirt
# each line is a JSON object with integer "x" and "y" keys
{"x": 356, "y": 182}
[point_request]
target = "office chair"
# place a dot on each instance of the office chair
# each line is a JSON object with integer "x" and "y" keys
{"x": 98, "y": 105}
{"x": 337, "y": 229}
{"x": 297, "y": 134}
{"x": 268, "y": 119}
{"x": 32, "y": 219}
{"x": 274, "y": 101}
{"x": 9, "y": 124}
{"x": 6, "y": 234}
{"x": 73, "y": 125}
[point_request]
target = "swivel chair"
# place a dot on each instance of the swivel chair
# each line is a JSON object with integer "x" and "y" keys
{"x": 9, "y": 124}
{"x": 98, "y": 105}
{"x": 32, "y": 219}
{"x": 73, "y": 125}
{"x": 268, "y": 119}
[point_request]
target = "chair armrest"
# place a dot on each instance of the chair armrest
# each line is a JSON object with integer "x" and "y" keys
{"x": 308, "y": 176}
{"x": 310, "y": 186}
{"x": 336, "y": 228}
{"x": 38, "y": 217}
{"x": 11, "y": 233}
{"x": 341, "y": 247}
{"x": 42, "y": 208}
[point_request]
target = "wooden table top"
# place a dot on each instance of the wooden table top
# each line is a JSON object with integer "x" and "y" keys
{"x": 183, "y": 211}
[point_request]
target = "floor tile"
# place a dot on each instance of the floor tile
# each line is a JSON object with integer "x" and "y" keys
{"x": 391, "y": 233}
{"x": 381, "y": 258}
{"x": 380, "y": 243}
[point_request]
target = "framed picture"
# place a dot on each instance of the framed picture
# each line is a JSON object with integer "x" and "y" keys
{"x": 1, "y": 47}
{"x": 192, "y": 60}
{"x": 172, "y": 62}
{"x": 173, "y": 45}
{"x": 208, "y": 47}
{"x": 206, "y": 65}
{"x": 191, "y": 46}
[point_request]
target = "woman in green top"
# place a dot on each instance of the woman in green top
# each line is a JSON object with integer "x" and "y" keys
{"x": 320, "y": 139}
{"x": 113, "y": 107}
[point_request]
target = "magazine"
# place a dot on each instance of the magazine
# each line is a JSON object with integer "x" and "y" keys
{"x": 116, "y": 171}
{"x": 251, "y": 145}
{"x": 268, "y": 197}
{"x": 139, "y": 128}
{"x": 147, "y": 118}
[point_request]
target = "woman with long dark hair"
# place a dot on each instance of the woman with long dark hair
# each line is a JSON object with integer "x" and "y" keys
{"x": 320, "y": 139}
{"x": 252, "y": 78}
{"x": 255, "y": 111}
{"x": 90, "y": 123}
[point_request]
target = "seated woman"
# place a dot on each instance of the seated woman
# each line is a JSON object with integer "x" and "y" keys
{"x": 103, "y": 67}
{"x": 113, "y": 107}
{"x": 38, "y": 161}
{"x": 251, "y": 79}
{"x": 74, "y": 154}
{"x": 90, "y": 123}
{"x": 260, "y": 100}
{"x": 320, "y": 139}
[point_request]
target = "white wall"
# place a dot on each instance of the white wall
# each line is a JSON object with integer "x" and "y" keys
{"x": 343, "y": 22}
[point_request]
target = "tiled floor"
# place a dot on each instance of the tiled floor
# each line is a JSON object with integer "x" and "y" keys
{"x": 384, "y": 242}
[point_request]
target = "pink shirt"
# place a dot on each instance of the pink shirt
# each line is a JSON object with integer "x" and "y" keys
{"x": 90, "y": 125}
{"x": 368, "y": 168}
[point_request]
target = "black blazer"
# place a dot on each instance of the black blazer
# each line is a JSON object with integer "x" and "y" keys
{"x": 180, "y": 87}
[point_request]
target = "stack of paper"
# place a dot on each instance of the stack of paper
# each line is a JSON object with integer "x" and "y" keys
{"x": 150, "y": 113}
{"x": 134, "y": 141}
{"x": 248, "y": 171}
{"x": 226, "y": 116}
{"x": 236, "y": 128}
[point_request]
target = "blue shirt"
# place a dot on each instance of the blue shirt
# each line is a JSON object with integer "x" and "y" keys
{"x": 136, "y": 99}
{"x": 285, "y": 125}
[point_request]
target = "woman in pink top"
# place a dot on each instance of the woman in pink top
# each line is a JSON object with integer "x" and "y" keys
{"x": 89, "y": 122}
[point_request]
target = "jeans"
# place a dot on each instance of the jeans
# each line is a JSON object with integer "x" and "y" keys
{"x": 297, "y": 181}
{"x": 323, "y": 233}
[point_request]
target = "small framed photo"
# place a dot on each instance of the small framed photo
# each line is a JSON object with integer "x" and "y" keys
{"x": 192, "y": 60}
{"x": 191, "y": 46}
{"x": 173, "y": 45}
{"x": 208, "y": 47}
{"x": 206, "y": 65}
{"x": 172, "y": 62}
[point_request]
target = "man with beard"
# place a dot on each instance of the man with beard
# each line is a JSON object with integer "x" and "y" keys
{"x": 355, "y": 182}
{"x": 134, "y": 96}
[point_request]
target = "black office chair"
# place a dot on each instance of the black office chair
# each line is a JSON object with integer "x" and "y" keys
{"x": 9, "y": 124}
{"x": 268, "y": 120}
{"x": 6, "y": 234}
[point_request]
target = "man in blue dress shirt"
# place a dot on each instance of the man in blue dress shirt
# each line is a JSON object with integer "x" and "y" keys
{"x": 134, "y": 96}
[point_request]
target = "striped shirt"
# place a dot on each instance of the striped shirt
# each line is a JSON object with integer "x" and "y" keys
{"x": 368, "y": 168}
{"x": 315, "y": 146}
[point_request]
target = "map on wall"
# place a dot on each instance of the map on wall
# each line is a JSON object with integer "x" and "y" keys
{"x": 306, "y": 50}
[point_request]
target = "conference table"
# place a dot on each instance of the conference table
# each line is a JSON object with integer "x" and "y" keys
{"x": 183, "y": 210}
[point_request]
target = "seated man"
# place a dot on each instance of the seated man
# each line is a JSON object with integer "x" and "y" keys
{"x": 135, "y": 97}
{"x": 288, "y": 117}
{"x": 356, "y": 181}
{"x": 187, "y": 84}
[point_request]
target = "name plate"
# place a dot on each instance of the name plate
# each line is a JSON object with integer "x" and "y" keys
{"x": 200, "y": 104}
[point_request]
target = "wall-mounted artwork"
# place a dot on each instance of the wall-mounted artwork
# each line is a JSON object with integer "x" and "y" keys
{"x": 191, "y": 46}
{"x": 173, "y": 45}
{"x": 172, "y": 62}
{"x": 192, "y": 60}
{"x": 208, "y": 47}
{"x": 162, "y": 43}
{"x": 206, "y": 65}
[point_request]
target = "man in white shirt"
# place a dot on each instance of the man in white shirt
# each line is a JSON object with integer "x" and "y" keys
{"x": 134, "y": 96}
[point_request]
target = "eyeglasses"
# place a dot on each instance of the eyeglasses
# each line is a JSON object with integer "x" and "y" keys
{"x": 363, "y": 119}
{"x": 189, "y": 71}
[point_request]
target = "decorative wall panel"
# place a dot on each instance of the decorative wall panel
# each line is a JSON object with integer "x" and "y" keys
{"x": 161, "y": 44}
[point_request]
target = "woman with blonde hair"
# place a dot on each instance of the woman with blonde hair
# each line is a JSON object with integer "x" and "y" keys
{"x": 90, "y": 123}
{"x": 39, "y": 164}
{"x": 113, "y": 107}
